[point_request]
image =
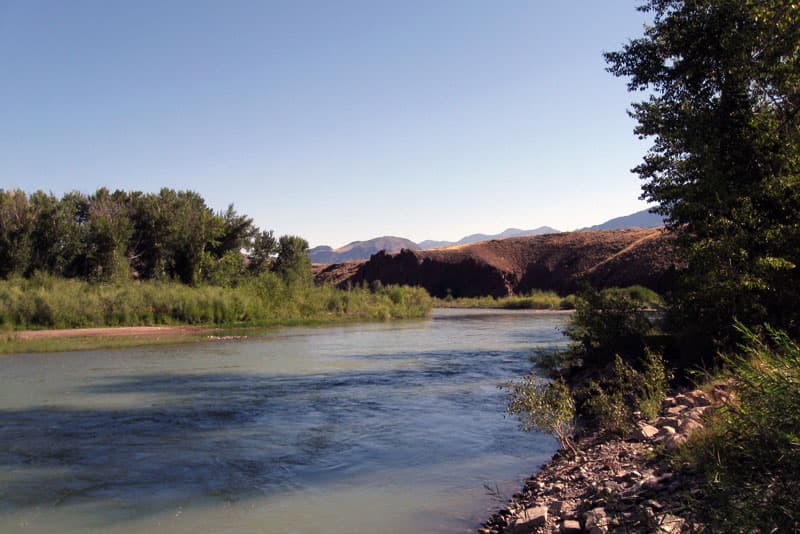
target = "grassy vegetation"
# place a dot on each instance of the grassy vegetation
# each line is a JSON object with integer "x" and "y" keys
{"x": 749, "y": 452}
{"x": 45, "y": 302}
{"x": 10, "y": 344}
{"x": 535, "y": 300}
{"x": 550, "y": 300}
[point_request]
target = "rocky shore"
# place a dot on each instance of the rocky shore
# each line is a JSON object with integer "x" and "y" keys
{"x": 613, "y": 484}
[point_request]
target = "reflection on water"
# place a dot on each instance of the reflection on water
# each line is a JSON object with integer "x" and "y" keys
{"x": 380, "y": 427}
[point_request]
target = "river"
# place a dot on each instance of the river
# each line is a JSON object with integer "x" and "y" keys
{"x": 380, "y": 427}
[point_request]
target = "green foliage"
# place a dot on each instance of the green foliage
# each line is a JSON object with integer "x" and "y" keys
{"x": 750, "y": 453}
{"x": 543, "y": 406}
{"x": 610, "y": 400}
{"x": 724, "y": 115}
{"x": 292, "y": 262}
{"x": 44, "y": 301}
{"x": 535, "y": 300}
{"x": 606, "y": 324}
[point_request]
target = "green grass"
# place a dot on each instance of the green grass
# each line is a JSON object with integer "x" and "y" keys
{"x": 748, "y": 456}
{"x": 535, "y": 300}
{"x": 11, "y": 345}
{"x": 45, "y": 302}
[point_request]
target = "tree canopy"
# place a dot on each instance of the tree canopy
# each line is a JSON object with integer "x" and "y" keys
{"x": 165, "y": 235}
{"x": 722, "y": 82}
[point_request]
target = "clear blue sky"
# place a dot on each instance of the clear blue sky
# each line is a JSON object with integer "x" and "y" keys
{"x": 334, "y": 120}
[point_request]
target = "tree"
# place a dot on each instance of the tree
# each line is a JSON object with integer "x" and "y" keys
{"x": 724, "y": 167}
{"x": 16, "y": 223}
{"x": 293, "y": 263}
{"x": 264, "y": 246}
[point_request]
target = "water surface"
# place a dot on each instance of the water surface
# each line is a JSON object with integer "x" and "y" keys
{"x": 391, "y": 427}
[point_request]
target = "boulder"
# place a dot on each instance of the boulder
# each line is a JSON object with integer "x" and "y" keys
{"x": 569, "y": 526}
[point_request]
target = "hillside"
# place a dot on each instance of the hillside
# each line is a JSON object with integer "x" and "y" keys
{"x": 519, "y": 264}
{"x": 360, "y": 250}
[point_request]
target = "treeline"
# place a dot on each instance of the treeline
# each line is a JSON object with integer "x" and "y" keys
{"x": 169, "y": 235}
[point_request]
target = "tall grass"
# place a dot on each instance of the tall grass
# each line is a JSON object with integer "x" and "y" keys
{"x": 50, "y": 302}
{"x": 535, "y": 300}
{"x": 749, "y": 455}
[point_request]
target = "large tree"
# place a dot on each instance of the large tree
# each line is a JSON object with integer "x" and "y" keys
{"x": 722, "y": 106}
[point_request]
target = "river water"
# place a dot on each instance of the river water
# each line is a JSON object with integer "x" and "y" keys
{"x": 390, "y": 427}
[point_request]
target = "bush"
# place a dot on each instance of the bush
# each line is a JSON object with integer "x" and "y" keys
{"x": 605, "y": 324}
{"x": 609, "y": 401}
{"x": 750, "y": 453}
{"x": 543, "y": 406}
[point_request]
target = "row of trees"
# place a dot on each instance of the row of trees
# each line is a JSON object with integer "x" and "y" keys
{"x": 130, "y": 234}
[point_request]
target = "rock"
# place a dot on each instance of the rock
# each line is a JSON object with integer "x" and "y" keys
{"x": 668, "y": 402}
{"x": 595, "y": 518}
{"x": 675, "y": 410}
{"x": 530, "y": 520}
{"x": 644, "y": 432}
{"x": 689, "y": 426}
{"x": 697, "y": 413}
{"x": 683, "y": 400}
{"x": 699, "y": 398}
{"x": 669, "y": 524}
{"x": 556, "y": 507}
{"x": 673, "y": 441}
{"x": 569, "y": 526}
{"x": 674, "y": 422}
{"x": 651, "y": 503}
{"x": 666, "y": 431}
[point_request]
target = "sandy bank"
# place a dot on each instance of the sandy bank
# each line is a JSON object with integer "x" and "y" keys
{"x": 112, "y": 331}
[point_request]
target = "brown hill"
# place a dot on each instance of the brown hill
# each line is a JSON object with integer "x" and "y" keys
{"x": 517, "y": 265}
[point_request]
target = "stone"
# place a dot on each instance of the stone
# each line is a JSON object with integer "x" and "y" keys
{"x": 569, "y": 526}
{"x": 669, "y": 524}
{"x": 530, "y": 520}
{"x": 668, "y": 402}
{"x": 595, "y": 518}
{"x": 675, "y": 410}
{"x": 665, "y": 431}
{"x": 697, "y": 413}
{"x": 556, "y": 507}
{"x": 683, "y": 400}
{"x": 689, "y": 426}
{"x": 672, "y": 442}
{"x": 674, "y": 422}
{"x": 699, "y": 398}
{"x": 644, "y": 432}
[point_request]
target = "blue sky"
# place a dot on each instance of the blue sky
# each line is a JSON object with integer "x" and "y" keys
{"x": 333, "y": 120}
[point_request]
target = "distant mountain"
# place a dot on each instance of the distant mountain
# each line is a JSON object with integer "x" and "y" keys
{"x": 360, "y": 250}
{"x": 640, "y": 219}
{"x": 475, "y": 238}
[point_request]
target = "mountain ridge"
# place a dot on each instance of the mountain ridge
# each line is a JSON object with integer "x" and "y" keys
{"x": 363, "y": 250}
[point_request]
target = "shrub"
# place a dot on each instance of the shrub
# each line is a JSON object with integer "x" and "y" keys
{"x": 543, "y": 406}
{"x": 609, "y": 401}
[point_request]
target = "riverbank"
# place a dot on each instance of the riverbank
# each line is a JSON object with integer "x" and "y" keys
{"x": 60, "y": 340}
{"x": 614, "y": 484}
